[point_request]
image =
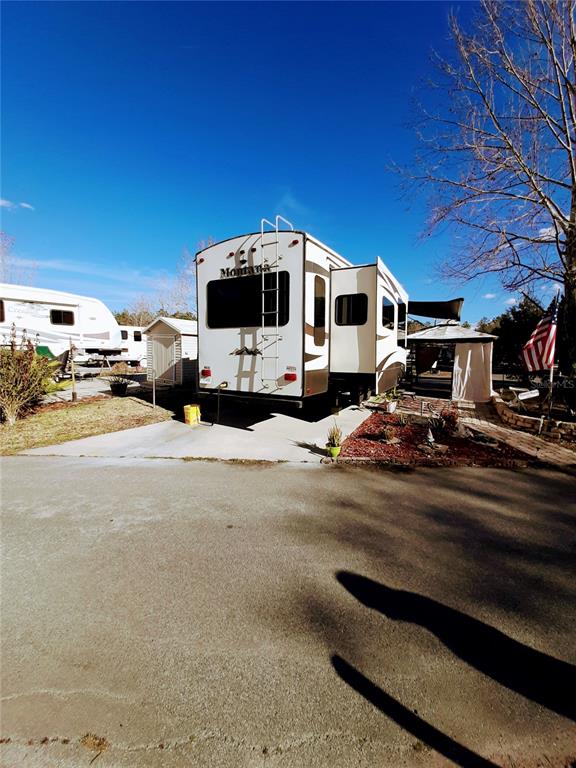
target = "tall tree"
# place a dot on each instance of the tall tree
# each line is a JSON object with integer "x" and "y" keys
{"x": 500, "y": 157}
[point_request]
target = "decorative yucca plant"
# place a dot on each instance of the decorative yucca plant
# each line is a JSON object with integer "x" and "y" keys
{"x": 334, "y": 436}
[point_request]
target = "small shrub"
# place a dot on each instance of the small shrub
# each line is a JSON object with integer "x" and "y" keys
{"x": 436, "y": 422}
{"x": 24, "y": 377}
{"x": 451, "y": 417}
{"x": 388, "y": 433}
{"x": 120, "y": 373}
{"x": 401, "y": 419}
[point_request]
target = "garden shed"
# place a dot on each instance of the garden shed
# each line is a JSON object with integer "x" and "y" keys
{"x": 172, "y": 351}
{"x": 472, "y": 372}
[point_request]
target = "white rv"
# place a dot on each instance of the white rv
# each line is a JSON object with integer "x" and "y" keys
{"x": 281, "y": 315}
{"x": 133, "y": 344}
{"x": 56, "y": 320}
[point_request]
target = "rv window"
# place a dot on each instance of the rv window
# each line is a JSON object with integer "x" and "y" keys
{"x": 61, "y": 317}
{"x": 352, "y": 309}
{"x": 2, "y": 317}
{"x": 319, "y": 311}
{"x": 137, "y": 335}
{"x": 124, "y": 335}
{"x": 387, "y": 313}
{"x": 236, "y": 302}
{"x": 402, "y": 316}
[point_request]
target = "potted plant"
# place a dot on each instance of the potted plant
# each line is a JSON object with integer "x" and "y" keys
{"x": 118, "y": 378}
{"x": 334, "y": 443}
{"x": 391, "y": 398}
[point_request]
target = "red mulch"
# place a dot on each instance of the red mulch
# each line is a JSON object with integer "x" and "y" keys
{"x": 366, "y": 442}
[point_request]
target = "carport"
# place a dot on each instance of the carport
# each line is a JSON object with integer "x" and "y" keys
{"x": 472, "y": 369}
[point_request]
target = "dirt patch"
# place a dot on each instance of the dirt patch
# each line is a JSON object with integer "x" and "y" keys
{"x": 383, "y": 438}
{"x": 61, "y": 422}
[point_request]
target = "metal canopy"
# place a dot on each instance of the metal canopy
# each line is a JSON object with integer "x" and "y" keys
{"x": 437, "y": 310}
{"x": 450, "y": 333}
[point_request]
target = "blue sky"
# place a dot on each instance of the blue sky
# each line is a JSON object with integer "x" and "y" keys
{"x": 132, "y": 130}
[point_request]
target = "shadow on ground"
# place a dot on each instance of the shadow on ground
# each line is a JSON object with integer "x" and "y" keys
{"x": 408, "y": 720}
{"x": 531, "y": 673}
{"x": 470, "y": 578}
{"x": 233, "y": 413}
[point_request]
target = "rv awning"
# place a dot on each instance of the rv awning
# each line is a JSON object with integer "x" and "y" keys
{"x": 437, "y": 310}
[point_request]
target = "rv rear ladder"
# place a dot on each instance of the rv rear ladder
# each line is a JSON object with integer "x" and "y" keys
{"x": 269, "y": 375}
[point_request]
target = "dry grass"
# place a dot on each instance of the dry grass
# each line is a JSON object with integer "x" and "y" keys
{"x": 58, "y": 424}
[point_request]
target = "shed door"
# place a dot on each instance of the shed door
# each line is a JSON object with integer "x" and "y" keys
{"x": 165, "y": 358}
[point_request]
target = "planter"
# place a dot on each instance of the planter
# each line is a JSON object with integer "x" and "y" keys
{"x": 390, "y": 406}
{"x": 118, "y": 387}
{"x": 334, "y": 450}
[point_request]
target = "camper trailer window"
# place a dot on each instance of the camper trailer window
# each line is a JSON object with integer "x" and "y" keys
{"x": 124, "y": 335}
{"x": 319, "y": 311}
{"x": 137, "y": 335}
{"x": 402, "y": 316}
{"x": 2, "y": 316}
{"x": 61, "y": 317}
{"x": 352, "y": 309}
{"x": 236, "y": 302}
{"x": 387, "y": 313}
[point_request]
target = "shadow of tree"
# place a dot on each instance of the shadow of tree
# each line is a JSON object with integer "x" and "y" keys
{"x": 537, "y": 676}
{"x": 408, "y": 720}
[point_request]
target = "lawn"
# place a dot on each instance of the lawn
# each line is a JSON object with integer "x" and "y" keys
{"x": 59, "y": 423}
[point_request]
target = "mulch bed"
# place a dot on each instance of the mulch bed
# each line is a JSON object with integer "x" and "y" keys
{"x": 368, "y": 442}
{"x": 69, "y": 403}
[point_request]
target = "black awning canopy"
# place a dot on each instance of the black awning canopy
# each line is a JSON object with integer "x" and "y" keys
{"x": 437, "y": 310}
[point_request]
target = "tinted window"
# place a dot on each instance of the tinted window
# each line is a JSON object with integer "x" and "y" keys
{"x": 137, "y": 335}
{"x": 319, "y": 311}
{"x": 2, "y": 317}
{"x": 124, "y": 335}
{"x": 387, "y": 313}
{"x": 236, "y": 302}
{"x": 61, "y": 317}
{"x": 402, "y": 316}
{"x": 352, "y": 309}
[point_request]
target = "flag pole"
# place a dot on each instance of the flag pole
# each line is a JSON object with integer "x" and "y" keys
{"x": 551, "y": 385}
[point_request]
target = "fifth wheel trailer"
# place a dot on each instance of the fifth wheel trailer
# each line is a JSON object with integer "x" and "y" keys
{"x": 282, "y": 316}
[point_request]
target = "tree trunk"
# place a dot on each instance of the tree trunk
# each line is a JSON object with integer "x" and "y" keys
{"x": 567, "y": 319}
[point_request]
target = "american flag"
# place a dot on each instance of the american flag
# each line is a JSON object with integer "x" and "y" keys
{"x": 538, "y": 352}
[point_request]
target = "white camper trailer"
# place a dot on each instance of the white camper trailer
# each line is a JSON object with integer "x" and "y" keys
{"x": 133, "y": 344}
{"x": 57, "y": 320}
{"x": 281, "y": 315}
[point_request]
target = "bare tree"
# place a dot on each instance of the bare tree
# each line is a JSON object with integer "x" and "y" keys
{"x": 178, "y": 295}
{"x": 11, "y": 269}
{"x": 500, "y": 160}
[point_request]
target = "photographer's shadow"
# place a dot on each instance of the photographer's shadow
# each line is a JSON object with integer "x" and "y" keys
{"x": 539, "y": 677}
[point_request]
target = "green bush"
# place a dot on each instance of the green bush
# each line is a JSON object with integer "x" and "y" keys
{"x": 24, "y": 377}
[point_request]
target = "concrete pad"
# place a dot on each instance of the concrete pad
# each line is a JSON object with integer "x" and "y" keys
{"x": 278, "y": 437}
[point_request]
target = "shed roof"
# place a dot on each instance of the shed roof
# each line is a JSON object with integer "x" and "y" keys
{"x": 450, "y": 332}
{"x": 183, "y": 327}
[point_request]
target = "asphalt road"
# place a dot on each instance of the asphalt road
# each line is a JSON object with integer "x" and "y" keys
{"x": 168, "y": 613}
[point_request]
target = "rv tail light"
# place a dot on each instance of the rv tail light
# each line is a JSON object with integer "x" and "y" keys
{"x": 290, "y": 377}
{"x": 206, "y": 372}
